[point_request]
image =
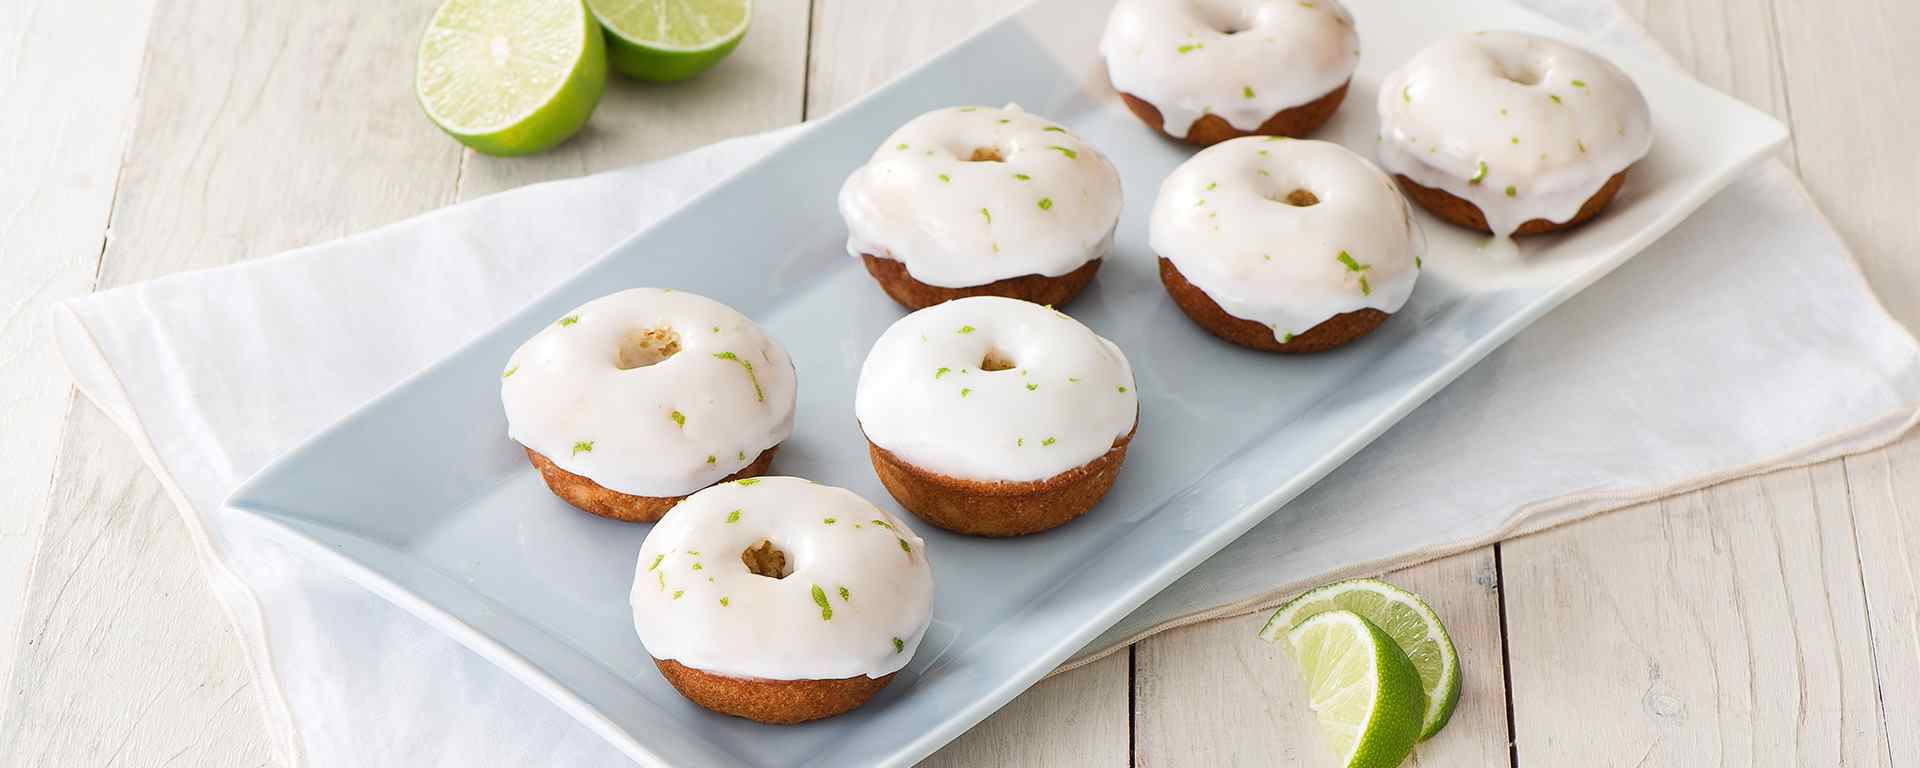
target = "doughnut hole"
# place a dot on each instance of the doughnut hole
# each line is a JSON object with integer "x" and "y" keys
{"x": 639, "y": 349}
{"x": 996, "y": 360}
{"x": 764, "y": 559}
{"x": 1225, "y": 20}
{"x": 1519, "y": 72}
{"x": 1298, "y": 198}
{"x": 987, "y": 155}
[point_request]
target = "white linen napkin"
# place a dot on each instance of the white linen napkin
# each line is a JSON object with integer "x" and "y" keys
{"x": 1746, "y": 340}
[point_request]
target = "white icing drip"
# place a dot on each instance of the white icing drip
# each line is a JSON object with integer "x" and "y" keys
{"x": 1223, "y": 219}
{"x": 924, "y": 396}
{"x": 1047, "y": 207}
{"x": 1243, "y": 60}
{"x": 567, "y": 397}
{"x": 778, "y": 629}
{"x": 1549, "y": 121}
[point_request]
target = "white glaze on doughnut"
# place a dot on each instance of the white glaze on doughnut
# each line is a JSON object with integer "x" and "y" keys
{"x": 666, "y": 429}
{"x": 1047, "y": 208}
{"x": 924, "y": 396}
{"x": 857, "y": 600}
{"x": 1523, "y": 126}
{"x": 1179, "y": 56}
{"x": 1221, "y": 218}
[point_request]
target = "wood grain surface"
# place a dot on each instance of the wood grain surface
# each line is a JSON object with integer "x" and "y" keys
{"x": 1768, "y": 621}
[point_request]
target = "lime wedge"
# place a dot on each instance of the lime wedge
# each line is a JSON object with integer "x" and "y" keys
{"x": 1406, "y": 618}
{"x": 668, "y": 40}
{"x": 1361, "y": 687}
{"x": 510, "y": 77}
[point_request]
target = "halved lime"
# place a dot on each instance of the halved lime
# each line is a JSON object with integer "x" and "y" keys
{"x": 511, "y": 77}
{"x": 667, "y": 40}
{"x": 1405, "y": 617}
{"x": 1361, "y": 687}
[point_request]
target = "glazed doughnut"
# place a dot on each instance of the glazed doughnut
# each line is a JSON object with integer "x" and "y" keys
{"x": 982, "y": 201}
{"x": 1511, "y": 133}
{"x": 1204, "y": 71}
{"x": 995, "y": 417}
{"x": 780, "y": 600}
{"x": 1284, "y": 245}
{"x": 638, "y": 398}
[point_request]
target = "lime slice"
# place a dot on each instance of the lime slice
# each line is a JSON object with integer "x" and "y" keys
{"x": 1362, "y": 688}
{"x": 668, "y": 40}
{"x": 1406, "y": 618}
{"x": 511, "y": 77}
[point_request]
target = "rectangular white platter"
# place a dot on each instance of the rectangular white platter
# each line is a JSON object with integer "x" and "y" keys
{"x": 421, "y": 497}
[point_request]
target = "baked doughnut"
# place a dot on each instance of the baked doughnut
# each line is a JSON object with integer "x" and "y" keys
{"x": 1284, "y": 245}
{"x": 780, "y": 600}
{"x": 995, "y": 417}
{"x": 1204, "y": 71}
{"x": 982, "y": 201}
{"x": 1511, "y": 133}
{"x": 638, "y": 398}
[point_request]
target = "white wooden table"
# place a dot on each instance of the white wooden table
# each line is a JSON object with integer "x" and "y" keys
{"x": 1769, "y": 621}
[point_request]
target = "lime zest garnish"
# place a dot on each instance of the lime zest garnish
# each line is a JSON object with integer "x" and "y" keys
{"x": 1418, "y": 264}
{"x": 759, "y": 395}
{"x": 1022, "y": 177}
{"x": 678, "y": 592}
{"x": 509, "y": 371}
{"x": 697, "y": 567}
{"x": 901, "y": 147}
{"x": 942, "y": 372}
{"x": 1123, "y": 390}
{"x": 1511, "y": 192}
{"x": 710, "y": 460}
{"x": 882, "y": 523}
{"x": 1048, "y": 441}
{"x": 1046, "y": 203}
{"x": 679, "y": 419}
{"x": 946, "y": 178}
{"x": 656, "y": 561}
{"x": 748, "y": 482}
{"x": 1516, "y": 140}
{"x": 820, "y": 599}
{"x": 569, "y": 320}
{"x": 830, "y": 520}
{"x": 989, "y": 216}
{"x": 1032, "y": 386}
{"x": 965, "y": 390}
{"x": 1071, "y": 155}
{"x": 1479, "y": 175}
{"x": 1019, "y": 442}
{"x": 1579, "y": 83}
{"x": 1246, "y": 91}
{"x": 968, "y": 109}
{"x": 899, "y": 645}
{"x": 965, "y": 329}
{"x": 846, "y": 596}
{"x": 662, "y": 577}
{"x": 1072, "y": 380}
{"x": 1189, "y": 47}
{"x": 1287, "y": 337}
{"x": 723, "y": 601}
{"x": 1555, "y": 97}
{"x": 1406, "y": 93}
{"x": 1055, "y": 129}
{"x": 905, "y": 547}
{"x": 1581, "y": 144}
{"x": 733, "y": 517}
{"x": 1003, "y": 121}
{"x": 1351, "y": 264}
{"x": 584, "y": 446}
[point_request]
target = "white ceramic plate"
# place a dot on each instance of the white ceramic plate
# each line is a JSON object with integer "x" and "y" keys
{"x": 421, "y": 497}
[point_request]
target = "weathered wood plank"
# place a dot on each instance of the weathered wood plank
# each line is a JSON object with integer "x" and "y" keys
{"x": 1078, "y": 718}
{"x": 60, "y": 168}
{"x": 860, "y": 46}
{"x": 1724, "y": 627}
{"x": 1885, "y": 491}
{"x": 1215, "y": 694}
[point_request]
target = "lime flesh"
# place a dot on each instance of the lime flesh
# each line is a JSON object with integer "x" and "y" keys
{"x": 1406, "y": 618}
{"x": 668, "y": 40}
{"x": 511, "y": 77}
{"x": 1361, "y": 687}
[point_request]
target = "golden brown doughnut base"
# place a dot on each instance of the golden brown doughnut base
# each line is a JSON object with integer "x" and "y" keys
{"x": 1459, "y": 212}
{"x": 1212, "y": 129}
{"x": 777, "y": 702}
{"x": 1039, "y": 289}
{"x": 980, "y": 508}
{"x": 1330, "y": 333}
{"x": 600, "y": 500}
